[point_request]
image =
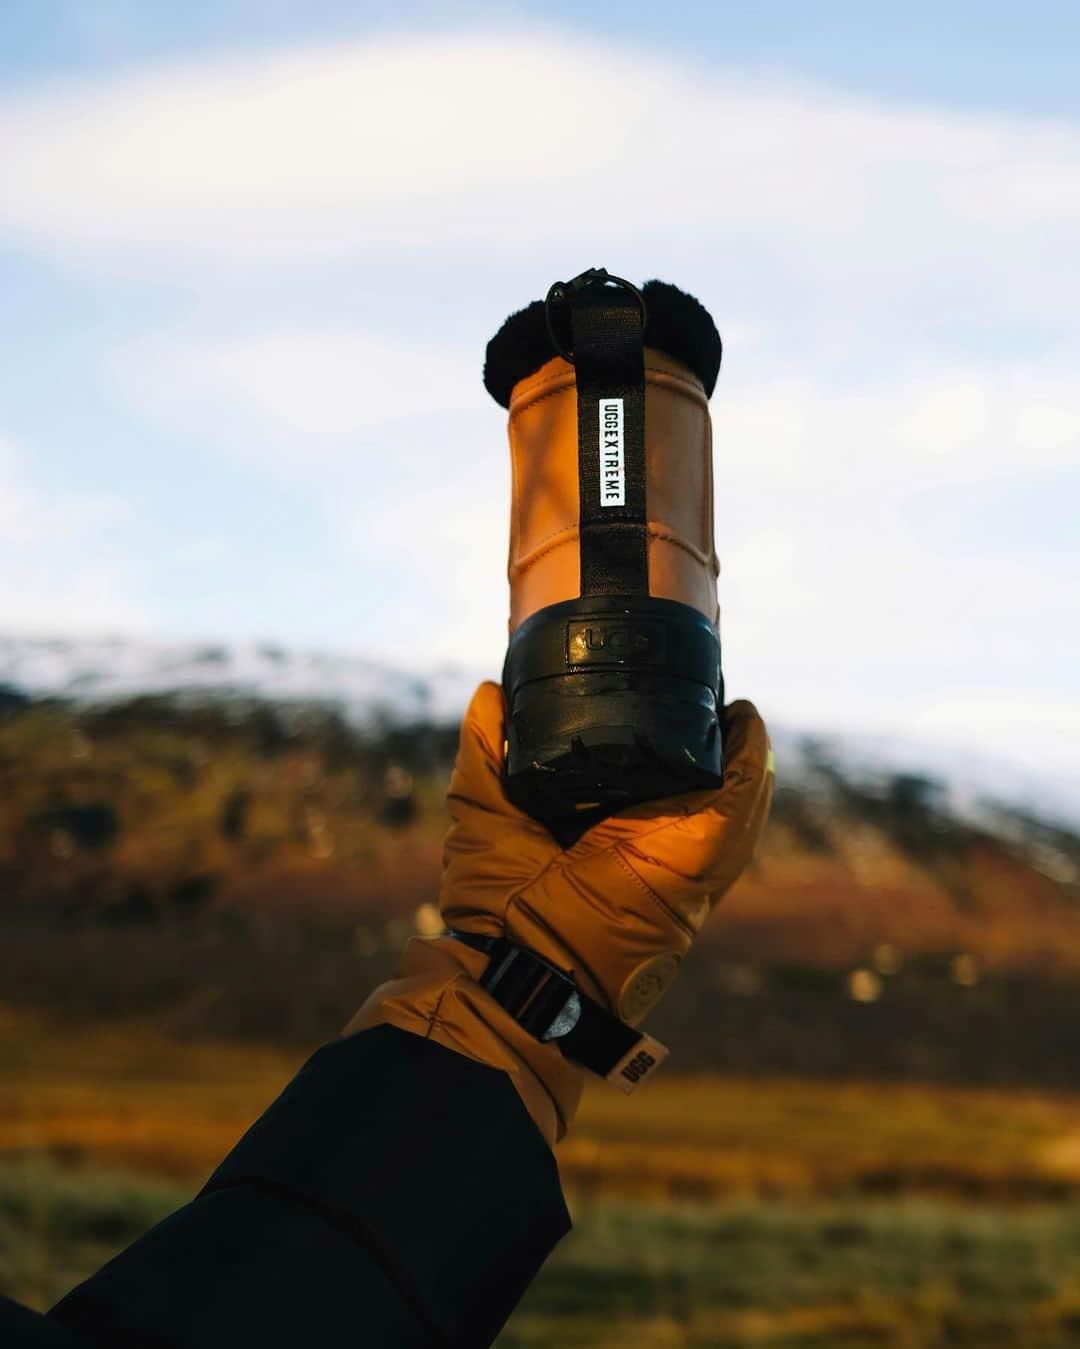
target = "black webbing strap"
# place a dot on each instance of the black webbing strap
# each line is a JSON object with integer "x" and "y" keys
{"x": 546, "y": 1003}
{"x": 608, "y": 351}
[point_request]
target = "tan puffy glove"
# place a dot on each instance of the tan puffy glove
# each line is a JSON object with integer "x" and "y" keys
{"x": 617, "y": 911}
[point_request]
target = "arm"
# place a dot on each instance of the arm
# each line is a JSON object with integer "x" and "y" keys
{"x": 361, "y": 1209}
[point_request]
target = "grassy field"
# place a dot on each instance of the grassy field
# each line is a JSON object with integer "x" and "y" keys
{"x": 903, "y": 1273}
{"x": 747, "y": 1273}
{"x": 128, "y": 1095}
{"x": 708, "y": 1212}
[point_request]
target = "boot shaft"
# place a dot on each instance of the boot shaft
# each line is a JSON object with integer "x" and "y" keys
{"x": 544, "y": 564}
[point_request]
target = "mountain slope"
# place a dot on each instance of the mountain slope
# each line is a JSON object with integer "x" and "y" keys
{"x": 235, "y": 862}
{"x": 370, "y": 695}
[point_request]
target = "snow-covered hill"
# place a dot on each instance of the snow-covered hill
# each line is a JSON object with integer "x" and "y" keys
{"x": 110, "y": 670}
{"x": 369, "y": 694}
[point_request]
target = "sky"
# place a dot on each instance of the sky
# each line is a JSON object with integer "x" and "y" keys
{"x": 251, "y": 253}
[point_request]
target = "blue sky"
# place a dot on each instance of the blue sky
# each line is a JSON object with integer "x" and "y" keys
{"x": 982, "y": 54}
{"x": 251, "y": 254}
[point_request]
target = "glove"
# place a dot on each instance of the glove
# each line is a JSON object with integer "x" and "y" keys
{"x": 617, "y": 911}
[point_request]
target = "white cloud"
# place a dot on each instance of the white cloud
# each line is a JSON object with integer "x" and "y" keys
{"x": 60, "y": 571}
{"x": 938, "y": 427}
{"x": 504, "y": 145}
{"x": 304, "y": 393}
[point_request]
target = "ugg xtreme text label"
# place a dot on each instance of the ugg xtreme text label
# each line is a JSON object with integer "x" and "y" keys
{"x": 612, "y": 453}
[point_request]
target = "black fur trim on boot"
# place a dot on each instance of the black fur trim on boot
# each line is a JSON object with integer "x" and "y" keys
{"x": 678, "y": 325}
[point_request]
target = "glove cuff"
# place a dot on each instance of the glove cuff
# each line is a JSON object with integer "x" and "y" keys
{"x": 546, "y": 1002}
{"x": 437, "y": 995}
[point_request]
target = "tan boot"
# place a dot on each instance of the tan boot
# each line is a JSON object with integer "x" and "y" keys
{"x": 613, "y": 671}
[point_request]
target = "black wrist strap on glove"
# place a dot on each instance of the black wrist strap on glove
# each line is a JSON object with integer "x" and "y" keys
{"x": 546, "y": 1002}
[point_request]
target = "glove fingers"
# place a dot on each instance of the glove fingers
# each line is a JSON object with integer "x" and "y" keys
{"x": 743, "y": 848}
{"x": 477, "y": 780}
{"x": 477, "y": 777}
{"x": 492, "y": 847}
{"x": 746, "y": 741}
{"x": 747, "y": 754}
{"x": 689, "y": 849}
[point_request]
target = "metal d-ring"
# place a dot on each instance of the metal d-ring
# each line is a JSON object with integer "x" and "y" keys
{"x": 560, "y": 293}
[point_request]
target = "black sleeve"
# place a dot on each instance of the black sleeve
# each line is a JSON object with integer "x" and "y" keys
{"x": 396, "y": 1194}
{"x": 21, "y": 1328}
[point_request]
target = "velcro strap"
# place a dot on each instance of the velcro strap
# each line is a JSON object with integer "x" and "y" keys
{"x": 546, "y": 1002}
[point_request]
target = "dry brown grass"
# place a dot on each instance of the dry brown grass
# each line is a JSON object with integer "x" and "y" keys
{"x": 710, "y": 1137}
{"x": 126, "y": 1094}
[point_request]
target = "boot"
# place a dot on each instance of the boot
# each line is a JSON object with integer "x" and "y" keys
{"x": 612, "y": 675}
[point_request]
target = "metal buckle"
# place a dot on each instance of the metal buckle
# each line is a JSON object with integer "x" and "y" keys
{"x": 541, "y": 998}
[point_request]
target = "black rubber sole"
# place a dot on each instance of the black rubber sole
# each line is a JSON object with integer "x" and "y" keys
{"x": 612, "y": 701}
